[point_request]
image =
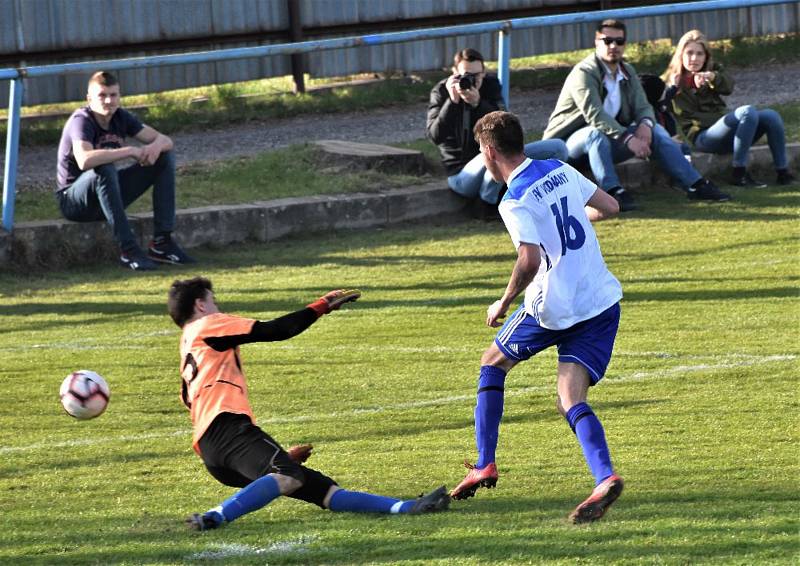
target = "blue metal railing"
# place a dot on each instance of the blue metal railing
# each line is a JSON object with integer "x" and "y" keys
{"x": 503, "y": 28}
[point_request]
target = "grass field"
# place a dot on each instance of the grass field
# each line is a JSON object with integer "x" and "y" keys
{"x": 700, "y": 403}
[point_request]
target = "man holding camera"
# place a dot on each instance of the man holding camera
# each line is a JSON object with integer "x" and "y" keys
{"x": 456, "y": 105}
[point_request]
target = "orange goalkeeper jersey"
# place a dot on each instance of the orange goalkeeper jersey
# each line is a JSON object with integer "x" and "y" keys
{"x": 212, "y": 380}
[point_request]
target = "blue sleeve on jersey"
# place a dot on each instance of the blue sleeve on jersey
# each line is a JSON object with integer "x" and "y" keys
{"x": 533, "y": 172}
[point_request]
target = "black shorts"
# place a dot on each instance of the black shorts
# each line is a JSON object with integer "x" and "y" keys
{"x": 237, "y": 452}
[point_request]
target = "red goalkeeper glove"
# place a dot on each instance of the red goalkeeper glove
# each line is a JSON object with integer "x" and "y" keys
{"x": 333, "y": 300}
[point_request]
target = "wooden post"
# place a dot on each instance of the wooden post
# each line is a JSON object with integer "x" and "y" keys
{"x": 295, "y": 35}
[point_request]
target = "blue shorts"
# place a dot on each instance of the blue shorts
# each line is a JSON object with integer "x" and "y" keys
{"x": 588, "y": 343}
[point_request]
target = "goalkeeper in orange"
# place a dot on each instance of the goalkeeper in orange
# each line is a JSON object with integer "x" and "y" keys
{"x": 236, "y": 451}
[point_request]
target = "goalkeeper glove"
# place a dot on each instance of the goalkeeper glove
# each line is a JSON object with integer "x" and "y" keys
{"x": 333, "y": 300}
{"x": 300, "y": 452}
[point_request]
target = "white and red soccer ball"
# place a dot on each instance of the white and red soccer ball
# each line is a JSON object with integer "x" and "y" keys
{"x": 84, "y": 394}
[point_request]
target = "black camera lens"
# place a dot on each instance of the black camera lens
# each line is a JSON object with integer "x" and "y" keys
{"x": 466, "y": 82}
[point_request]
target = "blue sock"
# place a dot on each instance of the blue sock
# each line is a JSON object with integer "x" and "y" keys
{"x": 589, "y": 431}
{"x": 488, "y": 412}
{"x": 252, "y": 497}
{"x": 359, "y": 502}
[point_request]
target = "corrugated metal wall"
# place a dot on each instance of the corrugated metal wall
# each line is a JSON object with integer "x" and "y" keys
{"x": 59, "y": 26}
{"x": 434, "y": 54}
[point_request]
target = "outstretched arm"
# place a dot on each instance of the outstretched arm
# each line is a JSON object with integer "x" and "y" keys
{"x": 288, "y": 325}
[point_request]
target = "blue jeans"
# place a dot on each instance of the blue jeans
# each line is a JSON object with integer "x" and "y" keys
{"x": 738, "y": 130}
{"x": 474, "y": 179}
{"x": 105, "y": 192}
{"x": 603, "y": 152}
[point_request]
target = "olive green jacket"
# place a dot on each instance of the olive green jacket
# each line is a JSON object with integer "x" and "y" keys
{"x": 697, "y": 109}
{"x": 581, "y": 102}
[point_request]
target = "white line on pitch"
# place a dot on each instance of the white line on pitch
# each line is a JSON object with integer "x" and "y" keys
{"x": 745, "y": 360}
{"x": 222, "y": 551}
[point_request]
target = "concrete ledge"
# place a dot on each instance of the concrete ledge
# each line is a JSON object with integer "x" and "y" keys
{"x": 350, "y": 156}
{"x": 56, "y": 243}
{"x": 644, "y": 175}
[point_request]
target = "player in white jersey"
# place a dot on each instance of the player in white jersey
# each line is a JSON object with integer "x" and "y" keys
{"x": 571, "y": 301}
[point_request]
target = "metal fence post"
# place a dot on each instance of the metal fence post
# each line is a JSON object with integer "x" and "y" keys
{"x": 12, "y": 152}
{"x": 504, "y": 60}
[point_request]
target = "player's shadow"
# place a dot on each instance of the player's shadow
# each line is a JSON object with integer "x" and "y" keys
{"x": 398, "y": 427}
{"x": 703, "y": 252}
{"x": 708, "y": 514}
{"x": 106, "y": 313}
{"x": 713, "y": 295}
{"x": 746, "y": 205}
{"x": 79, "y": 459}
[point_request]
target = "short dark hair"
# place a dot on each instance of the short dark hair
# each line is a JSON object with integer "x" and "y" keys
{"x": 613, "y": 24}
{"x": 183, "y": 294}
{"x": 467, "y": 54}
{"x": 502, "y": 131}
{"x": 103, "y": 78}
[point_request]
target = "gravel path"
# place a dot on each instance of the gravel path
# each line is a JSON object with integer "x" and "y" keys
{"x": 389, "y": 125}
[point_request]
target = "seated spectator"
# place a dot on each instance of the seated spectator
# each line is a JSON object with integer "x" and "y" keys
{"x": 91, "y": 188}
{"x": 456, "y": 105}
{"x": 603, "y": 115}
{"x": 696, "y": 86}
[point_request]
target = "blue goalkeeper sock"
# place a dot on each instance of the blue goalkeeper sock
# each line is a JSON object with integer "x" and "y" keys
{"x": 488, "y": 412}
{"x": 253, "y": 496}
{"x": 592, "y": 438}
{"x": 359, "y": 502}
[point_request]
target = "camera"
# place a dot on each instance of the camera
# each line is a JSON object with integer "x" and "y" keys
{"x": 466, "y": 81}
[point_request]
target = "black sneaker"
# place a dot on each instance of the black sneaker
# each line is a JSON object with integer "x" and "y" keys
{"x": 437, "y": 500}
{"x": 746, "y": 180}
{"x": 136, "y": 260}
{"x": 168, "y": 251}
{"x": 706, "y": 190}
{"x": 204, "y": 522}
{"x": 623, "y": 198}
{"x": 784, "y": 177}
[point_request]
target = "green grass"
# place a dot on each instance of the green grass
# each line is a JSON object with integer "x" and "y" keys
{"x": 289, "y": 172}
{"x": 790, "y": 112}
{"x": 700, "y": 403}
{"x": 269, "y": 98}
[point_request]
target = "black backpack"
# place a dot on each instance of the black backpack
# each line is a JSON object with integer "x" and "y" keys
{"x": 662, "y": 106}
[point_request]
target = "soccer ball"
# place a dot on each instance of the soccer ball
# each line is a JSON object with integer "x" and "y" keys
{"x": 84, "y": 394}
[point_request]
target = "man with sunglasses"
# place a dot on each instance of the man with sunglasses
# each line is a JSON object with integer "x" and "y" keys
{"x": 456, "y": 104}
{"x": 603, "y": 115}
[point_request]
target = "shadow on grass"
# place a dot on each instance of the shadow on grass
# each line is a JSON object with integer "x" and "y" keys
{"x": 667, "y": 526}
{"x": 81, "y": 460}
{"x": 110, "y": 311}
{"x": 706, "y": 251}
{"x": 402, "y": 424}
{"x": 713, "y": 295}
{"x": 333, "y": 249}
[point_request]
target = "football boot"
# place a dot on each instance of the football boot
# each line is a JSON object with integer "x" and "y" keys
{"x": 484, "y": 477}
{"x": 595, "y": 506}
{"x": 437, "y": 500}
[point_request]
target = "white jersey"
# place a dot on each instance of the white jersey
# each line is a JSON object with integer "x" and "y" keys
{"x": 544, "y": 206}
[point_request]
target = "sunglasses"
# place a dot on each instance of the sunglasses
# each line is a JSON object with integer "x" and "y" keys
{"x": 610, "y": 40}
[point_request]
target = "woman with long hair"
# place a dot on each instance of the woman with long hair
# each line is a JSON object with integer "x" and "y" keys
{"x": 697, "y": 85}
